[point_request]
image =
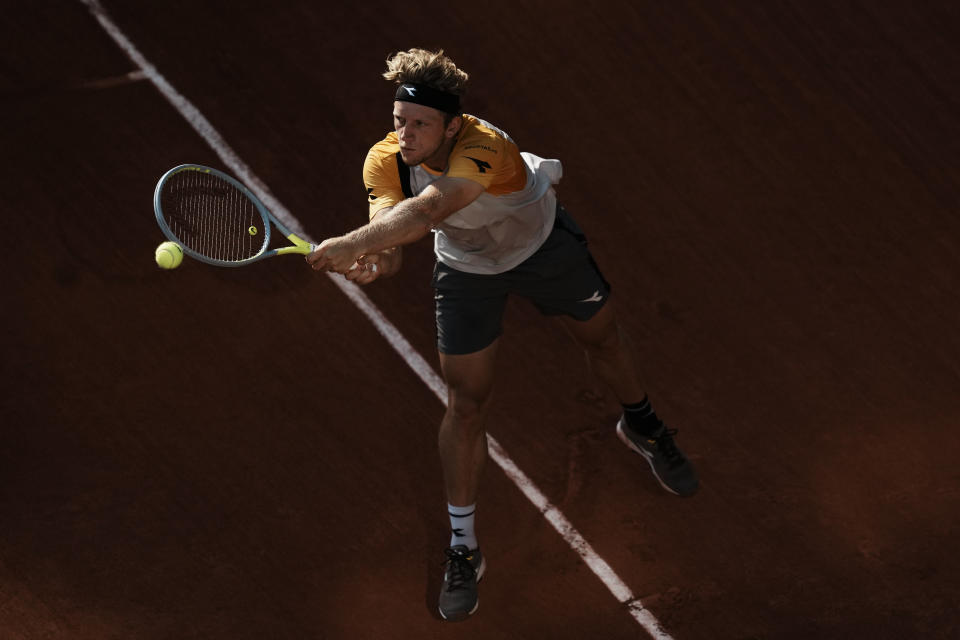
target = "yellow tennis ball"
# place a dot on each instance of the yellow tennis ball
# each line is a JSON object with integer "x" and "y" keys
{"x": 169, "y": 255}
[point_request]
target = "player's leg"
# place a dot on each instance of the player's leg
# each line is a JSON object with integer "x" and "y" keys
{"x": 463, "y": 452}
{"x": 569, "y": 284}
{"x": 610, "y": 357}
{"x": 462, "y": 438}
{"x": 469, "y": 310}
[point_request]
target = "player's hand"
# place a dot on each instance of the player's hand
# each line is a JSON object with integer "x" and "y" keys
{"x": 367, "y": 270}
{"x": 334, "y": 254}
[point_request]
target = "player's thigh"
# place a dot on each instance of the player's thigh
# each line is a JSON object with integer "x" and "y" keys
{"x": 469, "y": 378}
{"x": 598, "y": 331}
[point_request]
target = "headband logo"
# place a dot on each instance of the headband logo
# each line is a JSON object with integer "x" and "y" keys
{"x": 411, "y": 90}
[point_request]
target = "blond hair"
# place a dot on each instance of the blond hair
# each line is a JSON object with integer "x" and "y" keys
{"x": 430, "y": 68}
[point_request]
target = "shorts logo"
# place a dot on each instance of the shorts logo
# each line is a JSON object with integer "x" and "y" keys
{"x": 596, "y": 297}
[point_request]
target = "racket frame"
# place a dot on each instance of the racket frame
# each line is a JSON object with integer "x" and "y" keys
{"x": 298, "y": 245}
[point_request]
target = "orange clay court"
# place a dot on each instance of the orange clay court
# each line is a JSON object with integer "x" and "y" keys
{"x": 772, "y": 190}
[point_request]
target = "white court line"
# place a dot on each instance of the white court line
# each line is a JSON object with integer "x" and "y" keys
{"x": 416, "y": 362}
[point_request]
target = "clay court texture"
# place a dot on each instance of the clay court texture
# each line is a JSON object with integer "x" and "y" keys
{"x": 772, "y": 189}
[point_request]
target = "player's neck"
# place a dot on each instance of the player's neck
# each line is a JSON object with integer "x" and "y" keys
{"x": 440, "y": 159}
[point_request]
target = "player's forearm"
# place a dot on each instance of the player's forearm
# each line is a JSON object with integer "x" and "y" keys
{"x": 406, "y": 223}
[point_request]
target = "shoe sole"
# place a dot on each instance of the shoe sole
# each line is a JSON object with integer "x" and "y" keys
{"x": 646, "y": 456}
{"x": 463, "y": 616}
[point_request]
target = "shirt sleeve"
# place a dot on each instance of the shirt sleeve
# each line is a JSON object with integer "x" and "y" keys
{"x": 478, "y": 166}
{"x": 381, "y": 179}
{"x": 489, "y": 160}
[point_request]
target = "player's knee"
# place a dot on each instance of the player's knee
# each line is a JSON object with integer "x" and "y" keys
{"x": 465, "y": 406}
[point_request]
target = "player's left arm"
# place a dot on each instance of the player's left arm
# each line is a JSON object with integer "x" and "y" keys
{"x": 405, "y": 223}
{"x": 381, "y": 264}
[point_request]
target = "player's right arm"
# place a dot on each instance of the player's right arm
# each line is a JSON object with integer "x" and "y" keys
{"x": 406, "y": 223}
{"x": 395, "y": 220}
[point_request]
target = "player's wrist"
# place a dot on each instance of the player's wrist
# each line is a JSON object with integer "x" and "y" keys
{"x": 353, "y": 243}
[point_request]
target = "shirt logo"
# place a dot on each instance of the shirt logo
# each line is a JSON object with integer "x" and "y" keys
{"x": 596, "y": 297}
{"x": 370, "y": 194}
{"x": 481, "y": 165}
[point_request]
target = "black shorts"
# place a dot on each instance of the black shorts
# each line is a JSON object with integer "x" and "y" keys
{"x": 561, "y": 278}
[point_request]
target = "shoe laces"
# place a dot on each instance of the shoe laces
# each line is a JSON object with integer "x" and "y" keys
{"x": 459, "y": 568}
{"x": 666, "y": 445}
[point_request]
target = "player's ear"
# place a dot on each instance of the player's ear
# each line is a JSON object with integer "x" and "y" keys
{"x": 454, "y": 127}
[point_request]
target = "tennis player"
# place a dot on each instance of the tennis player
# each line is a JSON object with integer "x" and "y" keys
{"x": 498, "y": 231}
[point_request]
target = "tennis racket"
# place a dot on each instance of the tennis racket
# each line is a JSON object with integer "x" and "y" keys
{"x": 218, "y": 220}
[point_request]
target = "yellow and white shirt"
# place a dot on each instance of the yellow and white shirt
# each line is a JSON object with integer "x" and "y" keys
{"x": 501, "y": 228}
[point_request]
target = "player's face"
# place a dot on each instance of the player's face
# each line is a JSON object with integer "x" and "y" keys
{"x": 422, "y": 134}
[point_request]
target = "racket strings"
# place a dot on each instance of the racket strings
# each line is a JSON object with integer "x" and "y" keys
{"x": 212, "y": 217}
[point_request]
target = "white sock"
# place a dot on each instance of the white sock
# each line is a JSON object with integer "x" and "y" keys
{"x": 461, "y": 524}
